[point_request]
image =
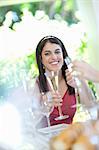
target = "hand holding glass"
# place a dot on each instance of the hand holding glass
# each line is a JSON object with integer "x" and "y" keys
{"x": 53, "y": 81}
{"x": 87, "y": 98}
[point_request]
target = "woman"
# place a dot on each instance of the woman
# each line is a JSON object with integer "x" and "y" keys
{"x": 50, "y": 55}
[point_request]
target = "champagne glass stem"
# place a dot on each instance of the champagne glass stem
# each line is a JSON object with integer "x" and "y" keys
{"x": 48, "y": 121}
{"x": 60, "y": 111}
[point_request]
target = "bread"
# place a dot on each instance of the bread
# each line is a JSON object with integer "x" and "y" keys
{"x": 67, "y": 137}
{"x": 77, "y": 136}
{"x": 83, "y": 143}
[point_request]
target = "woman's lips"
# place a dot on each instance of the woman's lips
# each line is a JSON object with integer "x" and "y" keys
{"x": 54, "y": 63}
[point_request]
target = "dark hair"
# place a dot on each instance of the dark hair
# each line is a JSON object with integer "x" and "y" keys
{"x": 42, "y": 78}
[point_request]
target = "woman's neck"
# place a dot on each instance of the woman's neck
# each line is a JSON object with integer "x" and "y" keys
{"x": 60, "y": 77}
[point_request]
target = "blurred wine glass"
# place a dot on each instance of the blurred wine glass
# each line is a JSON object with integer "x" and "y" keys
{"x": 53, "y": 82}
{"x": 36, "y": 117}
{"x": 46, "y": 106}
{"x": 41, "y": 109}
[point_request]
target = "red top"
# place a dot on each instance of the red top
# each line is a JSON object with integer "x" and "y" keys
{"x": 67, "y": 109}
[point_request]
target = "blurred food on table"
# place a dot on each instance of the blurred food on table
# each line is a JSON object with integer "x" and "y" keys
{"x": 77, "y": 136}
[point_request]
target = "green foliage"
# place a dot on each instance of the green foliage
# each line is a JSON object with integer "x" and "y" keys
{"x": 64, "y": 8}
{"x": 83, "y": 47}
{"x": 32, "y": 66}
{"x": 92, "y": 86}
{"x": 14, "y": 72}
{"x": 80, "y": 54}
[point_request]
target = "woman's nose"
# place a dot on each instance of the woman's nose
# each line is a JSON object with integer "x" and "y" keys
{"x": 53, "y": 56}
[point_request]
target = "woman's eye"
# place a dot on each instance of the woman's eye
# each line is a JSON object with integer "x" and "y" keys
{"x": 57, "y": 52}
{"x": 46, "y": 54}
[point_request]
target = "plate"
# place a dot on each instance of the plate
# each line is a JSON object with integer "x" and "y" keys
{"x": 54, "y": 128}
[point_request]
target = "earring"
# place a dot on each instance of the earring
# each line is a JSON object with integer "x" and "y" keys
{"x": 43, "y": 67}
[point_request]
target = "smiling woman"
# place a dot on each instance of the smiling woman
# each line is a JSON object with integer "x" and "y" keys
{"x": 50, "y": 55}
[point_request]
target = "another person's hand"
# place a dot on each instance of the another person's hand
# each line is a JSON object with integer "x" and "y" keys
{"x": 70, "y": 78}
{"x": 85, "y": 70}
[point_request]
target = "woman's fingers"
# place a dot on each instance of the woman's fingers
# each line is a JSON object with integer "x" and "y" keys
{"x": 55, "y": 104}
{"x": 56, "y": 99}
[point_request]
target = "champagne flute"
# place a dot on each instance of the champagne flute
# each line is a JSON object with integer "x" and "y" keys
{"x": 53, "y": 82}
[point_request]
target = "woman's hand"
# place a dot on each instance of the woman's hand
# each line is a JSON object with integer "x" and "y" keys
{"x": 54, "y": 98}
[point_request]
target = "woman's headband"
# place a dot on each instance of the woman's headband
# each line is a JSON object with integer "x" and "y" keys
{"x": 48, "y": 37}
